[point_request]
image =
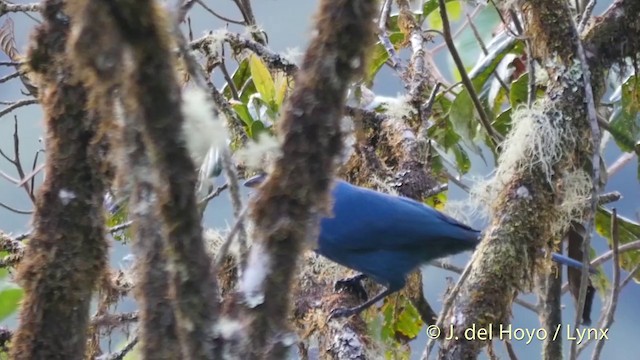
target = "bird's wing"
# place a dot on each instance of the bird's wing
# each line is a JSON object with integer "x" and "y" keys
{"x": 364, "y": 220}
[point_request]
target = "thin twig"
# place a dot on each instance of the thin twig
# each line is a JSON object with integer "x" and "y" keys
{"x": 383, "y": 35}
{"x": 119, "y": 355}
{"x": 227, "y": 77}
{"x": 197, "y": 73}
{"x": 458, "y": 270}
{"x": 183, "y": 10}
{"x": 115, "y": 319}
{"x": 609, "y": 197}
{"x": 16, "y": 105}
{"x": 273, "y": 60}
{"x": 595, "y": 184}
{"x": 485, "y": 51}
{"x": 224, "y": 248}
{"x": 223, "y": 18}
{"x": 17, "y": 163}
{"x": 458, "y": 182}
{"x": 425, "y": 113}
{"x": 9, "y": 77}
{"x": 214, "y": 193}
{"x": 33, "y": 179}
{"x": 484, "y": 118}
{"x": 510, "y": 351}
{"x": 634, "y": 245}
{"x": 17, "y": 211}
{"x": 31, "y": 175}
{"x": 620, "y": 163}
{"x": 446, "y": 306}
{"x": 531, "y": 69}
{"x": 234, "y": 192}
{"x": 630, "y": 276}
{"x": 586, "y": 15}
{"x": 6, "y": 7}
{"x": 119, "y": 227}
{"x": 615, "y": 289}
{"x": 8, "y": 177}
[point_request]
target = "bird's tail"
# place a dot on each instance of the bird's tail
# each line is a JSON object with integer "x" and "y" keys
{"x": 567, "y": 261}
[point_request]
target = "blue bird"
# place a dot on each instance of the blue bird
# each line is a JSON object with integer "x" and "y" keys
{"x": 386, "y": 237}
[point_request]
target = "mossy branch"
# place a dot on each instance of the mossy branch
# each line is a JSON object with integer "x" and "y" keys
{"x": 153, "y": 102}
{"x": 527, "y": 212}
{"x": 98, "y": 51}
{"x": 615, "y": 35}
{"x": 67, "y": 251}
{"x": 298, "y": 188}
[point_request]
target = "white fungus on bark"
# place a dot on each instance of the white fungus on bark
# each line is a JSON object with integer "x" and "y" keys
{"x": 252, "y": 284}
{"x": 203, "y": 127}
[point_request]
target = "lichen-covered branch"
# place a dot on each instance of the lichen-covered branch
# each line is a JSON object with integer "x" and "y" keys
{"x": 95, "y": 39}
{"x": 297, "y": 191}
{"x": 616, "y": 34}
{"x": 67, "y": 251}
{"x": 158, "y": 336}
{"x": 540, "y": 185}
{"x": 153, "y": 102}
{"x": 550, "y": 312}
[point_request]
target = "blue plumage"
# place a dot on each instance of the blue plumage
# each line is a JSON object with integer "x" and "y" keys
{"x": 386, "y": 237}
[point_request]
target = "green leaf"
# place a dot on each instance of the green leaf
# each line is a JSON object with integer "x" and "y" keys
{"x": 499, "y": 101}
{"x": 437, "y": 201}
{"x": 462, "y": 116}
{"x": 3, "y": 272}
{"x": 409, "y": 322}
{"x": 434, "y": 20}
{"x": 503, "y": 122}
{"x": 599, "y": 280}
{"x": 282, "y": 85}
{"x": 628, "y": 231}
{"x": 444, "y": 135}
{"x": 430, "y": 6}
{"x": 243, "y": 113}
{"x": 10, "y": 296}
{"x": 262, "y": 79}
{"x": 379, "y": 56}
{"x": 120, "y": 217}
{"x": 402, "y": 321}
{"x": 519, "y": 92}
{"x": 240, "y": 77}
{"x": 462, "y": 159}
{"x": 256, "y": 129}
{"x": 392, "y": 23}
{"x": 625, "y": 124}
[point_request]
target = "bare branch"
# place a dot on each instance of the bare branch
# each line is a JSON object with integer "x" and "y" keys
{"x": 223, "y": 18}
{"x": 119, "y": 355}
{"x": 9, "y": 77}
{"x": 612, "y": 301}
{"x": 16, "y": 105}
{"x": 383, "y": 35}
{"x": 6, "y": 7}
